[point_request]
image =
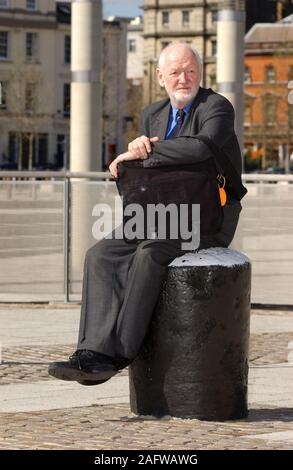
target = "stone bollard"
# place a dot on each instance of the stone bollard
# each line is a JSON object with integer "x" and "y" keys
{"x": 194, "y": 360}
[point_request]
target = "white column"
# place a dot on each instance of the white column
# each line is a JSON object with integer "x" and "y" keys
{"x": 230, "y": 57}
{"x": 86, "y": 87}
{"x": 85, "y": 122}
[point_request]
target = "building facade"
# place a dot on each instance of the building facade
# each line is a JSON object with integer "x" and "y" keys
{"x": 35, "y": 50}
{"x": 135, "y": 45}
{"x": 33, "y": 110}
{"x": 135, "y": 51}
{"x": 268, "y": 116}
{"x": 165, "y": 21}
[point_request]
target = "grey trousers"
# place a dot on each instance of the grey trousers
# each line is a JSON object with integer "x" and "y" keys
{"x": 122, "y": 283}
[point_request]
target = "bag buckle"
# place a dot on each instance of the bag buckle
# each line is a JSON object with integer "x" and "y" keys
{"x": 221, "y": 184}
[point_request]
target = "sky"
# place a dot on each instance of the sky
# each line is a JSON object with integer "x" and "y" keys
{"x": 122, "y": 8}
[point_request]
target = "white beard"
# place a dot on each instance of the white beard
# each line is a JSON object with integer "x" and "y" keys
{"x": 181, "y": 97}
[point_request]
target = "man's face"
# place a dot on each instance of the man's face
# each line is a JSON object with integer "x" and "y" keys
{"x": 180, "y": 75}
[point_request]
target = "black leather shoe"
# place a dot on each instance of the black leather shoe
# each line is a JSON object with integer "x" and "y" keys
{"x": 85, "y": 365}
{"x": 119, "y": 363}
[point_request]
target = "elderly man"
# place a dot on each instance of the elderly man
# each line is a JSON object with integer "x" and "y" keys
{"x": 122, "y": 281}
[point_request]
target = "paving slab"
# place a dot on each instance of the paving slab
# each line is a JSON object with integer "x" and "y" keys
{"x": 40, "y": 412}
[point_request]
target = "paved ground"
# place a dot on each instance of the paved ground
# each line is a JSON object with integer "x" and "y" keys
{"x": 39, "y": 412}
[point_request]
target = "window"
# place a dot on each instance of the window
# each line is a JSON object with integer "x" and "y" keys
{"x": 3, "y": 102}
{"x": 3, "y": 44}
{"x": 31, "y": 45}
{"x": 39, "y": 150}
{"x": 62, "y": 151}
{"x": 131, "y": 45}
{"x": 31, "y": 4}
{"x": 213, "y": 79}
{"x": 214, "y": 16}
{"x": 42, "y": 150}
{"x": 270, "y": 112}
{"x": 67, "y": 49}
{"x": 214, "y": 48}
{"x": 247, "y": 74}
{"x": 66, "y": 99}
{"x": 247, "y": 114}
{"x": 185, "y": 19}
{"x": 165, "y": 19}
{"x": 3, "y": 3}
{"x": 290, "y": 116}
{"x": 30, "y": 97}
{"x": 270, "y": 73}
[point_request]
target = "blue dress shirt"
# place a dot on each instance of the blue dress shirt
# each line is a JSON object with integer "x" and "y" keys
{"x": 173, "y": 119}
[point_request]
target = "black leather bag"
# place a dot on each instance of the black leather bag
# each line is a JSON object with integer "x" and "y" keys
{"x": 181, "y": 185}
{"x": 186, "y": 184}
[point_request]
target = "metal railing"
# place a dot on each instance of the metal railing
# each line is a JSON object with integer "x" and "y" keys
{"x": 266, "y": 178}
{"x": 249, "y": 177}
{"x": 54, "y": 174}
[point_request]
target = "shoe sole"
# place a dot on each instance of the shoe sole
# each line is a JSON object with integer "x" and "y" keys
{"x": 76, "y": 375}
{"x": 91, "y": 382}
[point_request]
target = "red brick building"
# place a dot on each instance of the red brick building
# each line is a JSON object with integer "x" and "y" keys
{"x": 268, "y": 117}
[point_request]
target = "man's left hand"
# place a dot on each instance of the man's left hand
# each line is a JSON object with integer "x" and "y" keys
{"x": 137, "y": 150}
{"x": 113, "y": 168}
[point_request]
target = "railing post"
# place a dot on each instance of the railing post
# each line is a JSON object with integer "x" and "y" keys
{"x": 66, "y": 238}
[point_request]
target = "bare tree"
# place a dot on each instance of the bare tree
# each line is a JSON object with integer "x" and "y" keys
{"x": 24, "y": 104}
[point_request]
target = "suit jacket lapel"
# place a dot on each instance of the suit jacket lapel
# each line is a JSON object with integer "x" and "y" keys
{"x": 160, "y": 122}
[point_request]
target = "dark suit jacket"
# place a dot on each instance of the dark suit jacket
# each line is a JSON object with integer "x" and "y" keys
{"x": 213, "y": 115}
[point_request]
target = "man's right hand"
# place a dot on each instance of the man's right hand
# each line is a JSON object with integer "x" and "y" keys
{"x": 141, "y": 146}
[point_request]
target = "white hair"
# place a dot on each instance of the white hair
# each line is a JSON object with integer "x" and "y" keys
{"x": 171, "y": 46}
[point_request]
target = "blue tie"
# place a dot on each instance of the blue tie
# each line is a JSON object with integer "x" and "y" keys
{"x": 179, "y": 121}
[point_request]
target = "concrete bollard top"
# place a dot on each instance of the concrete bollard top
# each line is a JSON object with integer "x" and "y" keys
{"x": 216, "y": 256}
